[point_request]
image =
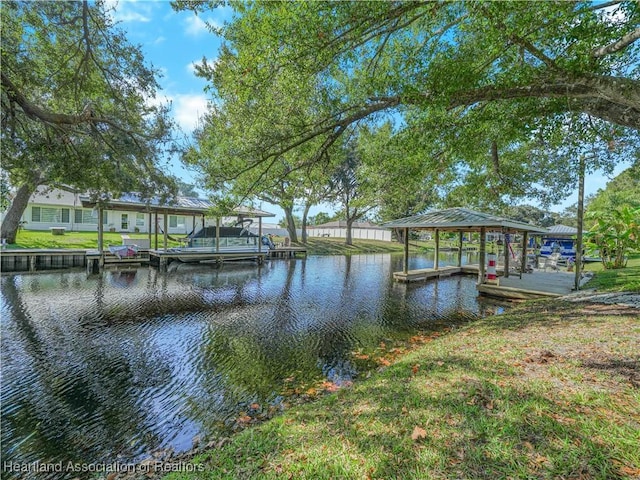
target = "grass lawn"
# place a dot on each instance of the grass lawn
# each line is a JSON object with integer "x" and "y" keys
{"x": 86, "y": 240}
{"x": 337, "y": 246}
{"x": 548, "y": 390}
{"x": 615, "y": 280}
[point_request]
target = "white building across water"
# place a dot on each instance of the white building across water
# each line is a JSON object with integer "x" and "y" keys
{"x": 75, "y": 212}
{"x": 362, "y": 230}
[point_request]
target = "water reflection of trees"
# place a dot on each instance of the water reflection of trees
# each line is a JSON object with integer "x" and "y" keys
{"x": 72, "y": 398}
{"x": 253, "y": 358}
{"x": 96, "y": 373}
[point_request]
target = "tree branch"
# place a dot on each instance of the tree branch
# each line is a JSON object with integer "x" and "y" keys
{"x": 624, "y": 42}
{"x": 600, "y": 6}
{"x": 36, "y": 112}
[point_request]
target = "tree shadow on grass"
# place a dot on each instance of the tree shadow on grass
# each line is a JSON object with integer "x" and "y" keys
{"x": 557, "y": 313}
{"x": 469, "y": 425}
{"x": 476, "y": 429}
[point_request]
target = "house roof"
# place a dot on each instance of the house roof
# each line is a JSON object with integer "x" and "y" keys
{"x": 178, "y": 205}
{"x": 461, "y": 219}
{"x": 343, "y": 224}
{"x": 562, "y": 230}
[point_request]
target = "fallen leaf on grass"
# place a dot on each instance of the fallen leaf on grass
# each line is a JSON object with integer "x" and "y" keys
{"x": 418, "y": 433}
{"x": 244, "y": 419}
{"x": 415, "y": 368}
{"x": 330, "y": 386}
{"x": 384, "y": 362}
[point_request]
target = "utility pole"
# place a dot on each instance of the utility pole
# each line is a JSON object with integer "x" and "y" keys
{"x": 578, "y": 266}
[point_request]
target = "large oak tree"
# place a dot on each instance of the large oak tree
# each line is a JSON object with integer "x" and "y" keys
{"x": 499, "y": 98}
{"x": 78, "y": 105}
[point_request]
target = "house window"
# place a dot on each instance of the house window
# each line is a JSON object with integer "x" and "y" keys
{"x": 176, "y": 221}
{"x": 139, "y": 219}
{"x": 124, "y": 224}
{"x": 85, "y": 216}
{"x": 49, "y": 215}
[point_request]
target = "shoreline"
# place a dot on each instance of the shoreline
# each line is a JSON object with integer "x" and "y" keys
{"x": 617, "y": 304}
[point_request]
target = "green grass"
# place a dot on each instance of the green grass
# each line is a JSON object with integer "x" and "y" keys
{"x": 616, "y": 280}
{"x": 337, "y": 246}
{"x": 549, "y": 390}
{"x": 82, "y": 240}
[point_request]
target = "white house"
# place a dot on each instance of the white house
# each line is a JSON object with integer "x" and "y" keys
{"x": 50, "y": 208}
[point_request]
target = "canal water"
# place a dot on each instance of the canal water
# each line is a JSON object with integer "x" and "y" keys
{"x": 110, "y": 367}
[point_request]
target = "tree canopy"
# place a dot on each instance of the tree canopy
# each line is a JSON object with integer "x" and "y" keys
{"x": 499, "y": 98}
{"x": 621, "y": 191}
{"x": 78, "y": 105}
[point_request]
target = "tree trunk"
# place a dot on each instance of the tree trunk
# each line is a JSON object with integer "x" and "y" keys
{"x": 291, "y": 224}
{"x": 305, "y": 215}
{"x": 350, "y": 221}
{"x": 11, "y": 220}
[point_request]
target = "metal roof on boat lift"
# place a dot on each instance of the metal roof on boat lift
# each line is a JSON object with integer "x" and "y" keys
{"x": 562, "y": 230}
{"x": 180, "y": 205}
{"x": 462, "y": 219}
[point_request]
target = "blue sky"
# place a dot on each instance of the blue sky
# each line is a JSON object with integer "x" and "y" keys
{"x": 173, "y": 42}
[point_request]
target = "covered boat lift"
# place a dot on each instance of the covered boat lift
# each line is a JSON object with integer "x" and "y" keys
{"x": 154, "y": 207}
{"x": 459, "y": 220}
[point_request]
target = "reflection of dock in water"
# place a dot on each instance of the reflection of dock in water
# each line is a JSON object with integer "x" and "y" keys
{"x": 162, "y": 258}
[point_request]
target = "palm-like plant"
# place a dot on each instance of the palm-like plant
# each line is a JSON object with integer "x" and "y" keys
{"x": 615, "y": 234}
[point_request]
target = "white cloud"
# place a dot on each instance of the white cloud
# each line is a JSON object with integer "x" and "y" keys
{"x": 191, "y": 67}
{"x": 130, "y": 10}
{"x": 196, "y": 25}
{"x": 188, "y": 108}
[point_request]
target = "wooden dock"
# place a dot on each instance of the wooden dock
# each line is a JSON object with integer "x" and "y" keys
{"x": 423, "y": 274}
{"x": 286, "y": 252}
{"x": 539, "y": 284}
{"x": 528, "y": 286}
{"x": 97, "y": 260}
{"x": 34, "y": 259}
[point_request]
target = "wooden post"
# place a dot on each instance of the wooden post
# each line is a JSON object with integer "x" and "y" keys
{"x": 460, "y": 249}
{"x": 437, "y": 252}
{"x": 578, "y": 265}
{"x": 405, "y": 267}
{"x": 150, "y": 234}
{"x": 156, "y": 229}
{"x": 525, "y": 240}
{"x": 100, "y": 230}
{"x": 217, "y": 234}
{"x": 166, "y": 230}
{"x": 506, "y": 254}
{"x": 483, "y": 246}
{"x": 259, "y": 234}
